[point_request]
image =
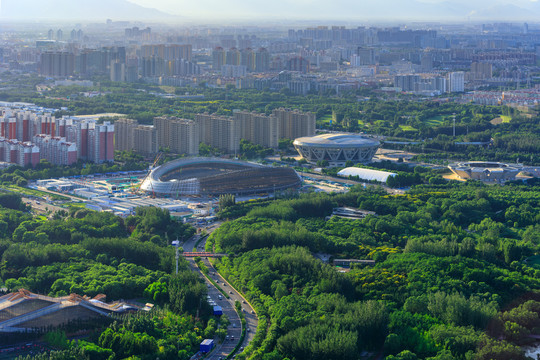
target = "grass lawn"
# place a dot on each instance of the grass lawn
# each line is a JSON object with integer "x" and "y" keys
{"x": 435, "y": 121}
{"x": 325, "y": 119}
{"x": 506, "y": 118}
{"x": 407, "y": 128}
{"x": 32, "y": 192}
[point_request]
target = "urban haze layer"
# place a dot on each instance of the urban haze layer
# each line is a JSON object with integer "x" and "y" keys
{"x": 201, "y": 181}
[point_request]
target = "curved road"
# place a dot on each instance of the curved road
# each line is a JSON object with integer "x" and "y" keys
{"x": 234, "y": 330}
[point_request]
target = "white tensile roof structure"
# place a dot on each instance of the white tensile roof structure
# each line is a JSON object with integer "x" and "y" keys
{"x": 366, "y": 174}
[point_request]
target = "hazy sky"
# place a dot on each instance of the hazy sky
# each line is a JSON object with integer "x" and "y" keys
{"x": 309, "y": 9}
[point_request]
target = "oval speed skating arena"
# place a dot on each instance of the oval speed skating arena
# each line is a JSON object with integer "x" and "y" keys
{"x": 210, "y": 176}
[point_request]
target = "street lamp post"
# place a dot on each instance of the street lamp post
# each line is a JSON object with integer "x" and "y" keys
{"x": 176, "y": 244}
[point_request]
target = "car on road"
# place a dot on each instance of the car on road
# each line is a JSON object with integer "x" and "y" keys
{"x": 230, "y": 292}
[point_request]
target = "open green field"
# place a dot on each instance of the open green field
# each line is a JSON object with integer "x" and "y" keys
{"x": 325, "y": 119}
{"x": 407, "y": 128}
{"x": 506, "y": 118}
{"x": 32, "y": 192}
{"x": 435, "y": 121}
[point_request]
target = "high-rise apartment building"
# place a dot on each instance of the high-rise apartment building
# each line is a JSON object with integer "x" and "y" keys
{"x": 218, "y": 58}
{"x": 20, "y": 153}
{"x": 93, "y": 142}
{"x": 406, "y": 82}
{"x": 184, "y": 137}
{"x": 293, "y": 124}
{"x": 456, "y": 81}
{"x": 481, "y": 70}
{"x": 262, "y": 60}
{"x": 178, "y": 135}
{"x": 163, "y": 130}
{"x": 123, "y": 134}
{"x": 117, "y": 71}
{"x": 100, "y": 142}
{"x": 258, "y": 128}
{"x": 167, "y": 51}
{"x": 145, "y": 141}
{"x": 59, "y": 64}
{"x": 55, "y": 149}
{"x": 220, "y": 132}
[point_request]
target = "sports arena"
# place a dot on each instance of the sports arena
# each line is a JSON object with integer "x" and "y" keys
{"x": 486, "y": 171}
{"x": 337, "y": 149}
{"x": 211, "y": 176}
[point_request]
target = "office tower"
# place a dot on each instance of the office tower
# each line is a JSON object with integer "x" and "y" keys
{"x": 456, "y": 81}
{"x": 293, "y": 124}
{"x": 184, "y": 137}
{"x": 258, "y": 128}
{"x": 124, "y": 139}
{"x": 220, "y": 132}
{"x": 145, "y": 141}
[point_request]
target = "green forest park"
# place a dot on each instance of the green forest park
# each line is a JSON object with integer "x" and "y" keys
{"x": 456, "y": 274}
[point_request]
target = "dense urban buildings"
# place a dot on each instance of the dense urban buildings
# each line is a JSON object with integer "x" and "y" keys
{"x": 183, "y": 136}
{"x": 61, "y": 141}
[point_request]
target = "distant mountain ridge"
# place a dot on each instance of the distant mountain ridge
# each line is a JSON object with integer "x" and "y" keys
{"x": 253, "y": 10}
{"x": 77, "y": 10}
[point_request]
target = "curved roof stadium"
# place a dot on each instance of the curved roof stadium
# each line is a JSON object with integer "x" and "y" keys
{"x": 486, "y": 171}
{"x": 337, "y": 148}
{"x": 210, "y": 176}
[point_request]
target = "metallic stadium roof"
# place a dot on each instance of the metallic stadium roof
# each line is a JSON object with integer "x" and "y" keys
{"x": 337, "y": 140}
